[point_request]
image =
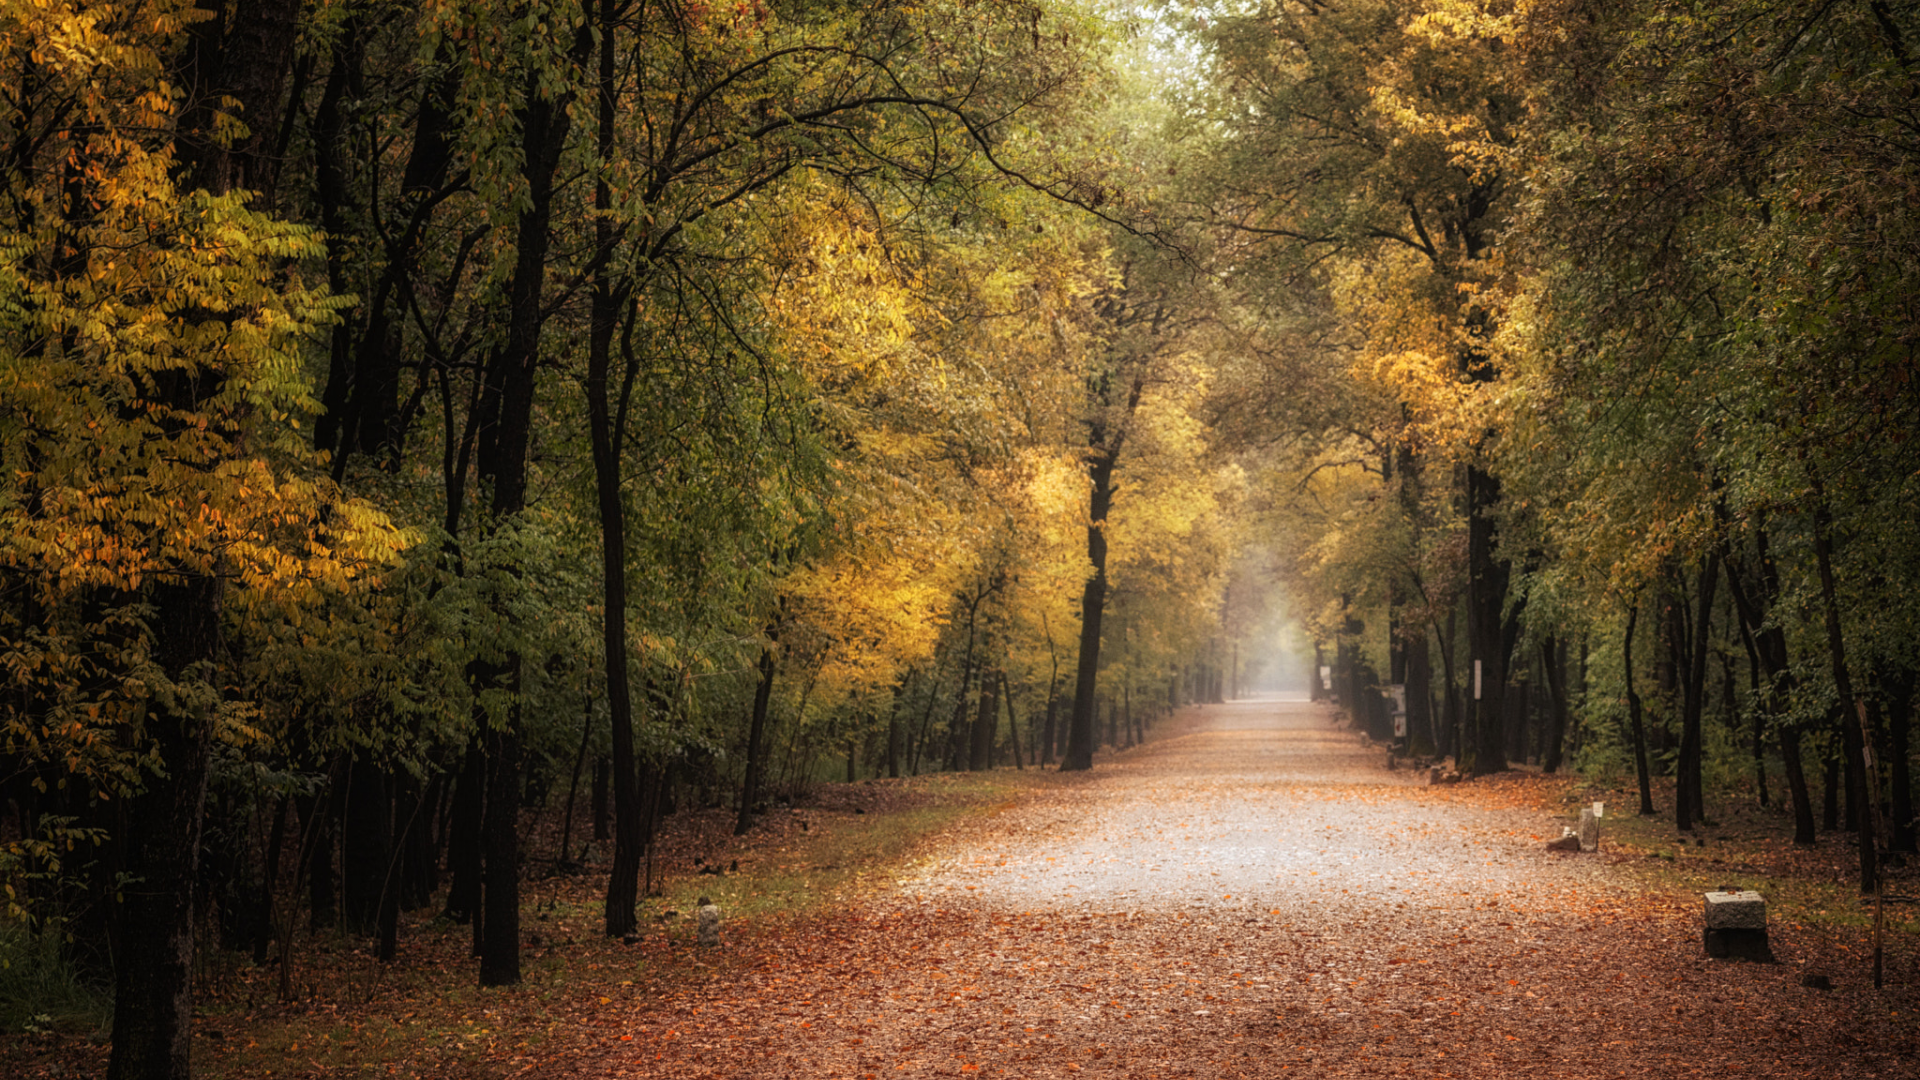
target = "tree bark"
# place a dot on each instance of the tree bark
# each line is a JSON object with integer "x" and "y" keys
{"x": 1640, "y": 769}
{"x": 504, "y": 441}
{"x": 1553, "y": 661}
{"x": 367, "y": 827}
{"x": 986, "y": 719}
{"x": 1081, "y": 730}
{"x": 244, "y": 59}
{"x": 1690, "y": 800}
{"x": 1899, "y": 737}
{"x": 1843, "y": 686}
{"x": 1486, "y": 617}
{"x": 153, "y": 984}
{"x": 756, "y": 739}
{"x": 1769, "y": 643}
{"x": 463, "y": 838}
{"x": 1013, "y": 723}
{"x": 500, "y": 875}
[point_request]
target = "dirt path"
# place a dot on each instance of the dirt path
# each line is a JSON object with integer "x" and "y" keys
{"x": 1259, "y": 897}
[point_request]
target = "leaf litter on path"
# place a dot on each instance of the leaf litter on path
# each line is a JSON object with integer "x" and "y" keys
{"x": 1254, "y": 896}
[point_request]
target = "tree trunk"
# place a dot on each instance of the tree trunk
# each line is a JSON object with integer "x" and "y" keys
{"x": 893, "y": 729}
{"x": 602, "y": 780}
{"x": 986, "y": 719}
{"x": 1769, "y": 643}
{"x": 500, "y": 849}
{"x": 1830, "y": 791}
{"x": 153, "y": 974}
{"x": 1553, "y": 661}
{"x": 1453, "y": 740}
{"x": 563, "y": 858}
{"x": 1843, "y": 687}
{"x": 1013, "y": 723}
{"x": 1689, "y": 799}
{"x": 1899, "y": 738}
{"x": 756, "y": 739}
{"x": 1640, "y": 769}
{"x": 317, "y": 825}
{"x": 366, "y": 827}
{"x": 1421, "y": 735}
{"x": 463, "y": 839}
{"x": 276, "y": 846}
{"x": 1081, "y": 730}
{"x": 1486, "y": 618}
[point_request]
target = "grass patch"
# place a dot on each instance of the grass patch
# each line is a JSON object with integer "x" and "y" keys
{"x": 39, "y": 990}
{"x": 807, "y": 858}
{"x": 1745, "y": 846}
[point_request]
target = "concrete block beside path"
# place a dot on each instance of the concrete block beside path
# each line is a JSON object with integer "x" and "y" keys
{"x": 1736, "y": 926}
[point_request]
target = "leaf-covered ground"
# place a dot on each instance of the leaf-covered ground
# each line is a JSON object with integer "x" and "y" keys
{"x": 1253, "y": 893}
{"x": 1260, "y": 897}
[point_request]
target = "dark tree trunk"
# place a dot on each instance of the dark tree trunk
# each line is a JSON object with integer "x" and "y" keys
{"x": 367, "y": 827}
{"x": 1640, "y": 770}
{"x": 606, "y": 424}
{"x": 894, "y": 733}
{"x": 242, "y": 56}
{"x": 463, "y": 838}
{"x": 413, "y": 839}
{"x": 1452, "y": 740}
{"x": 1081, "y": 729}
{"x": 1852, "y": 743}
{"x": 1421, "y": 735}
{"x": 918, "y": 749}
{"x": 986, "y": 719}
{"x": 1900, "y": 748}
{"x": 317, "y": 825}
{"x": 756, "y": 738}
{"x": 153, "y": 978}
{"x": 1769, "y": 642}
{"x": 503, "y": 445}
{"x": 269, "y": 878}
{"x": 404, "y": 804}
{"x": 1013, "y": 723}
{"x": 1754, "y": 696}
{"x": 1049, "y": 734}
{"x": 1830, "y": 792}
{"x": 1797, "y": 789}
{"x": 1486, "y": 618}
{"x": 1553, "y": 661}
{"x": 602, "y": 779}
{"x": 1689, "y": 799}
{"x": 563, "y": 858}
{"x": 500, "y": 848}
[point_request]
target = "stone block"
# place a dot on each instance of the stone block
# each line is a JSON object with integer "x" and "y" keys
{"x": 1589, "y": 830}
{"x": 1738, "y": 944}
{"x": 1736, "y": 926}
{"x": 709, "y": 916}
{"x": 1736, "y": 909}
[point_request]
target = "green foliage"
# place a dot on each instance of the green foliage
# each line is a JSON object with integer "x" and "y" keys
{"x": 40, "y": 991}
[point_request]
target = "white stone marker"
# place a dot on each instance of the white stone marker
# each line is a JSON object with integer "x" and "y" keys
{"x": 1736, "y": 925}
{"x": 1589, "y": 830}
{"x": 1740, "y": 909}
{"x": 709, "y": 916}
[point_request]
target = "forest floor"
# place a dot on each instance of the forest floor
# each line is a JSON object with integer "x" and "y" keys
{"x": 1252, "y": 893}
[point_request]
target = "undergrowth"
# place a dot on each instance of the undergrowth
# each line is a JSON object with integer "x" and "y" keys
{"x": 40, "y": 992}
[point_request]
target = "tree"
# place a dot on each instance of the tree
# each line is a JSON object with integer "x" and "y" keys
{"x": 155, "y": 320}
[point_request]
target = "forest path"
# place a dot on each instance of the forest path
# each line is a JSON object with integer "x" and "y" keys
{"x": 1255, "y": 895}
